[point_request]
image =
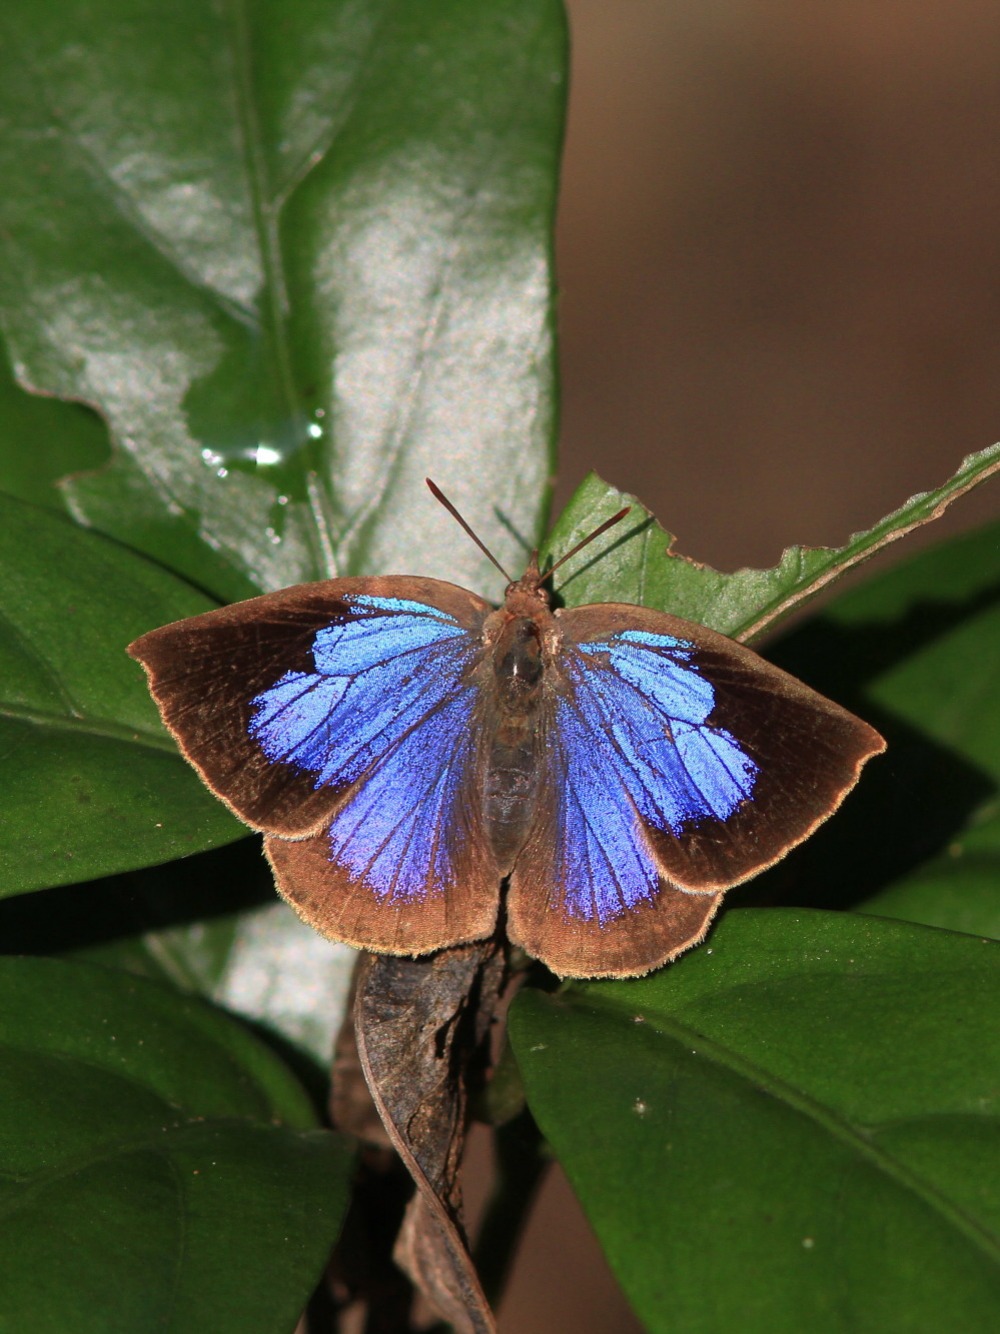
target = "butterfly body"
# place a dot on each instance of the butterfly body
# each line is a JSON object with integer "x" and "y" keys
{"x": 409, "y": 750}
{"x": 520, "y": 643}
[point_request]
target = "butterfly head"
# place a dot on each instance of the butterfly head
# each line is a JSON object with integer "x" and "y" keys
{"x": 527, "y": 595}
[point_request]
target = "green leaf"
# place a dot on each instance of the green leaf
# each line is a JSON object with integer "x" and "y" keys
{"x": 263, "y": 963}
{"x": 273, "y": 969}
{"x": 792, "y": 1128}
{"x": 930, "y": 629}
{"x": 914, "y": 651}
{"x": 160, "y": 1166}
{"x": 91, "y": 782}
{"x": 959, "y": 890}
{"x": 925, "y": 639}
{"x": 213, "y": 926}
{"x": 43, "y": 439}
{"x": 299, "y": 257}
{"x": 638, "y": 565}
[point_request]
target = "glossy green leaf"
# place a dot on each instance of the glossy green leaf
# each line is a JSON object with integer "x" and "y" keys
{"x": 299, "y": 257}
{"x": 792, "y": 1128}
{"x": 91, "y": 783}
{"x": 634, "y": 562}
{"x": 160, "y": 1167}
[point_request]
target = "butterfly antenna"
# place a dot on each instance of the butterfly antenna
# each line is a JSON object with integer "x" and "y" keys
{"x": 602, "y": 528}
{"x": 439, "y": 495}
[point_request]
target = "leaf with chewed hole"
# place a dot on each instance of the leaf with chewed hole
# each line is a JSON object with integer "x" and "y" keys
{"x": 634, "y": 563}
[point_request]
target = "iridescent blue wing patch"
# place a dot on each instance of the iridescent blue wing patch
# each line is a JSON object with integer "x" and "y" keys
{"x": 678, "y": 764}
{"x": 646, "y": 696}
{"x": 381, "y": 670}
{"x": 385, "y": 718}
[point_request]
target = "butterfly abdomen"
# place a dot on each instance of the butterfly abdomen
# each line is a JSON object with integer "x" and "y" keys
{"x": 510, "y": 793}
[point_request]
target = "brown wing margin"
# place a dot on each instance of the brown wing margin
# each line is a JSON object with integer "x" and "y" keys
{"x": 341, "y": 907}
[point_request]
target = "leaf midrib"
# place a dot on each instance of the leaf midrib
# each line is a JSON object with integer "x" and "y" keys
{"x": 266, "y": 205}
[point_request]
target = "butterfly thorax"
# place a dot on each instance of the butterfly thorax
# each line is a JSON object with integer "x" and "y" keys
{"x": 519, "y": 641}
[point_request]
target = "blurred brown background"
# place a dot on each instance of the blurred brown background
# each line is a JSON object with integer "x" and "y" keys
{"x": 779, "y": 262}
{"x": 779, "y": 313}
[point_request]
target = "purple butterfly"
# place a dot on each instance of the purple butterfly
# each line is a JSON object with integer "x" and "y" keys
{"x": 408, "y": 750}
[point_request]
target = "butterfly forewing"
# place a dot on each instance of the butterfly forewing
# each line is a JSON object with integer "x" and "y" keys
{"x": 285, "y": 701}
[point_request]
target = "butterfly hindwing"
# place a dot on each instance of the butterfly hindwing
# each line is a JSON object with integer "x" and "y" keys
{"x": 587, "y": 895}
{"x": 403, "y": 866}
{"x": 678, "y": 764}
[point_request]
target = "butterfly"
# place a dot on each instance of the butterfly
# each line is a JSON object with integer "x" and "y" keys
{"x": 408, "y": 750}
